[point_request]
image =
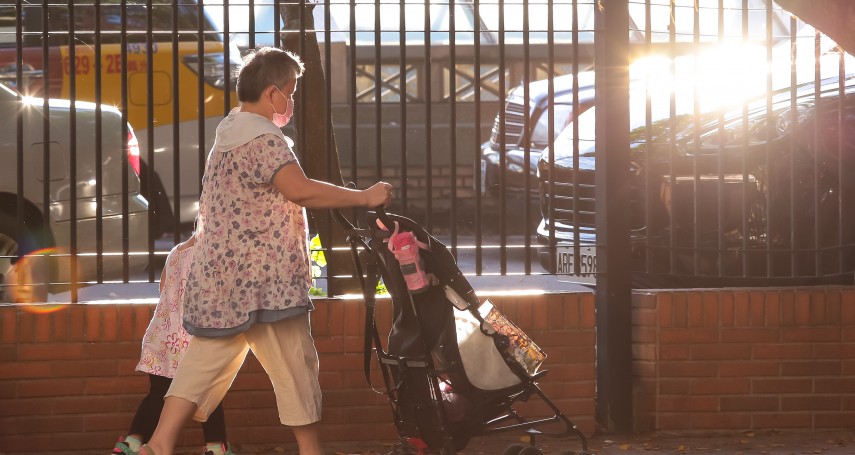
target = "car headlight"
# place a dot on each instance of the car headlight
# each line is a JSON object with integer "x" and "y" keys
{"x": 214, "y": 69}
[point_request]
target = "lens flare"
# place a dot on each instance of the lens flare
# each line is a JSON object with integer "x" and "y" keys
{"x": 27, "y": 280}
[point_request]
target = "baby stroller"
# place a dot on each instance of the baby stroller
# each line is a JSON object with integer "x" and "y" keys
{"x": 453, "y": 368}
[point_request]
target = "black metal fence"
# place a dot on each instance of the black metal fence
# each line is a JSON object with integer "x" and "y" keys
{"x": 481, "y": 114}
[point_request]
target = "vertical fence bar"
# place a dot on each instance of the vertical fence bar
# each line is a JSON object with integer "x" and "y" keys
{"x": 527, "y": 134}
{"x": 503, "y": 144}
{"x": 452, "y": 89}
{"x": 251, "y": 38}
{"x": 46, "y": 136}
{"x": 72, "y": 162}
{"x": 19, "y": 120}
{"x": 745, "y": 177}
{"x": 402, "y": 90}
{"x": 378, "y": 92}
{"x": 794, "y": 117}
{"x": 149, "y": 168}
{"x": 817, "y": 85}
{"x": 99, "y": 152}
{"x": 176, "y": 115}
{"x": 476, "y": 44}
{"x": 770, "y": 208}
{"x": 200, "y": 83}
{"x": 354, "y": 175}
{"x": 696, "y": 245}
{"x": 720, "y": 162}
{"x": 123, "y": 52}
{"x": 428, "y": 97}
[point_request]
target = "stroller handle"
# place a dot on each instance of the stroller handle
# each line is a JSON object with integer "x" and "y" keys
{"x": 383, "y": 217}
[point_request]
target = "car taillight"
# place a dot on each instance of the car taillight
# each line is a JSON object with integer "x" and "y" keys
{"x": 133, "y": 151}
{"x": 214, "y": 68}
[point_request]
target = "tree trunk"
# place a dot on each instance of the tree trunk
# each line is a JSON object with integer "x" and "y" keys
{"x": 312, "y": 139}
{"x": 835, "y": 18}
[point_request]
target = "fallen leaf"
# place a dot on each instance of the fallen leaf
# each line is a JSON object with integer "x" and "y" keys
{"x": 681, "y": 448}
{"x": 525, "y": 439}
{"x": 750, "y": 434}
{"x": 625, "y": 446}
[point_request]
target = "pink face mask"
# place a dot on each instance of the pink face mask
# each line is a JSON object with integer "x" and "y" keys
{"x": 281, "y": 120}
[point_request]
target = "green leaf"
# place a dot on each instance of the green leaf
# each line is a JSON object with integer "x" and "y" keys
{"x": 317, "y": 251}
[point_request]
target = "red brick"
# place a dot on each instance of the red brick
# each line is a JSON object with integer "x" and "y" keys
{"x": 751, "y": 335}
{"x": 694, "y": 309}
{"x": 773, "y": 309}
{"x": 142, "y": 317}
{"x": 757, "y": 308}
{"x": 726, "y": 308}
{"x": 525, "y": 315}
{"x": 788, "y": 308}
{"x": 28, "y": 370}
{"x": 587, "y": 311}
{"x": 43, "y": 328}
{"x": 554, "y": 311}
{"x": 833, "y": 307}
{"x": 50, "y": 351}
{"x": 682, "y": 336}
{"x": 711, "y": 309}
{"x": 83, "y": 368}
{"x": 9, "y": 321}
{"x": 675, "y": 421}
{"x": 833, "y": 351}
{"x": 781, "y": 420}
{"x": 644, "y": 334}
{"x": 115, "y": 385}
{"x": 126, "y": 322}
{"x": 680, "y": 310}
{"x": 834, "y": 385}
{"x": 26, "y": 327}
{"x": 802, "y": 308}
{"x": 59, "y": 324}
{"x": 811, "y": 368}
{"x": 679, "y": 386}
{"x": 781, "y": 351}
{"x": 11, "y": 407}
{"x": 733, "y": 351}
{"x": 93, "y": 322}
{"x": 749, "y": 369}
{"x": 810, "y": 403}
{"x": 741, "y": 309}
{"x": 782, "y": 385}
{"x": 88, "y": 404}
{"x": 847, "y": 307}
{"x": 720, "y": 386}
{"x": 354, "y": 317}
{"x": 749, "y": 404}
{"x": 674, "y": 352}
{"x": 688, "y": 369}
{"x": 811, "y": 334}
{"x": 113, "y": 350}
{"x": 688, "y": 403}
{"x": 665, "y": 307}
{"x": 818, "y": 308}
{"x": 541, "y": 317}
{"x": 320, "y": 317}
{"x": 77, "y": 323}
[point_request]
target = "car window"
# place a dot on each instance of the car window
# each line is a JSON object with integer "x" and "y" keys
{"x": 111, "y": 14}
{"x": 338, "y": 13}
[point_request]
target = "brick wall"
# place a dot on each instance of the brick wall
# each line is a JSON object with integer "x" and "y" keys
{"x": 67, "y": 376}
{"x": 744, "y": 359}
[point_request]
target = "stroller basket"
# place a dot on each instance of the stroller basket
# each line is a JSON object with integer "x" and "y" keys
{"x": 453, "y": 367}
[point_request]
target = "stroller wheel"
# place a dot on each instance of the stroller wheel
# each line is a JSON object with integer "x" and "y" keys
{"x": 530, "y": 450}
{"x": 514, "y": 449}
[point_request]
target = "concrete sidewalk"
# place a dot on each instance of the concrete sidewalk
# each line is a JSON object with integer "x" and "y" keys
{"x": 794, "y": 442}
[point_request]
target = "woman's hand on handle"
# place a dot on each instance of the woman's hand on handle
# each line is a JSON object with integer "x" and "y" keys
{"x": 379, "y": 195}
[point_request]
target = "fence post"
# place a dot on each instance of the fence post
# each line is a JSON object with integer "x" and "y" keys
{"x": 614, "y": 338}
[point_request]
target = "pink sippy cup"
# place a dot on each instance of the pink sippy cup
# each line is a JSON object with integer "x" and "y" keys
{"x": 406, "y": 249}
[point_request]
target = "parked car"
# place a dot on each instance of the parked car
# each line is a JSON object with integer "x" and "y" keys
{"x": 39, "y": 256}
{"x": 523, "y": 131}
{"x": 722, "y": 198}
{"x": 186, "y": 97}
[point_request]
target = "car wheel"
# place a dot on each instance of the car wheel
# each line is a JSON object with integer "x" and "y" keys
{"x": 25, "y": 277}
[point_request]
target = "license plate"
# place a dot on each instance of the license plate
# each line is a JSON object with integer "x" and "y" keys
{"x": 565, "y": 262}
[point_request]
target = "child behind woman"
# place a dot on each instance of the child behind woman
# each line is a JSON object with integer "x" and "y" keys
{"x": 163, "y": 346}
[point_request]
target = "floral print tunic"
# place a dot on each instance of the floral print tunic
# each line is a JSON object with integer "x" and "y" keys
{"x": 251, "y": 263}
{"x": 165, "y": 340}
